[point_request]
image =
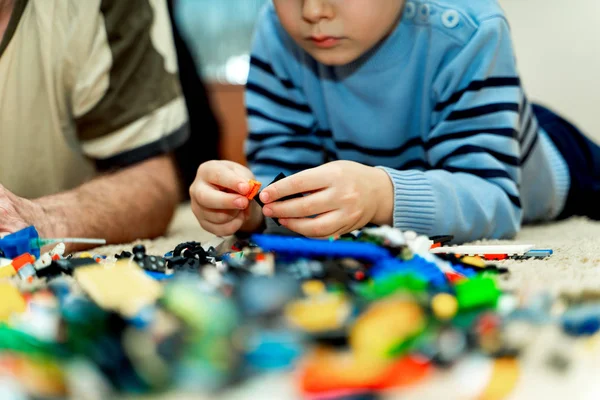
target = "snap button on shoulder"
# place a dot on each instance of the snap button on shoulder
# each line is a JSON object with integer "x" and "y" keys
{"x": 410, "y": 10}
{"x": 450, "y": 18}
{"x": 424, "y": 11}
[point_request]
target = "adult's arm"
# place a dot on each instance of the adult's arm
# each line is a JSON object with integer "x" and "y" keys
{"x": 134, "y": 202}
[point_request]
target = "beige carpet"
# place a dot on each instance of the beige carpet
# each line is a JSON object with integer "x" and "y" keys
{"x": 574, "y": 266}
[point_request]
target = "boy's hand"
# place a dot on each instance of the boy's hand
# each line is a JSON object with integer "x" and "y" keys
{"x": 218, "y": 198}
{"x": 344, "y": 195}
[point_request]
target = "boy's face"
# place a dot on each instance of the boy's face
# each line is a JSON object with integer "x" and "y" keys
{"x": 337, "y": 32}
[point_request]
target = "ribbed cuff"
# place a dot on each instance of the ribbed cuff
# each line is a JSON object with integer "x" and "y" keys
{"x": 414, "y": 203}
{"x": 561, "y": 174}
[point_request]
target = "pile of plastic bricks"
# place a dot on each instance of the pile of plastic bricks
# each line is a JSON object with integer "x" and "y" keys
{"x": 363, "y": 314}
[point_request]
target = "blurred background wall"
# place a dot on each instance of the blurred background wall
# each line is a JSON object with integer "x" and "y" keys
{"x": 557, "y": 44}
{"x": 558, "y": 50}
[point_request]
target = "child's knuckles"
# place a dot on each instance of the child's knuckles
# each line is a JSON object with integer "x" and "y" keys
{"x": 336, "y": 171}
{"x": 193, "y": 190}
{"x": 205, "y": 167}
{"x": 216, "y": 176}
{"x": 206, "y": 226}
{"x": 320, "y": 229}
{"x": 307, "y": 208}
{"x": 200, "y": 196}
{"x": 297, "y": 185}
{"x": 355, "y": 216}
{"x": 351, "y": 197}
{"x": 196, "y": 194}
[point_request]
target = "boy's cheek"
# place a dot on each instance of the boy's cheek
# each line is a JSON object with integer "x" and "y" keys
{"x": 289, "y": 13}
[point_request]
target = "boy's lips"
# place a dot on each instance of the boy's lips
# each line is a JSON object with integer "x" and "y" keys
{"x": 325, "y": 42}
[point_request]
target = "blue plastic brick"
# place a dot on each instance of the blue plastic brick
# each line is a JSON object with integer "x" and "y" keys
{"x": 468, "y": 272}
{"x": 274, "y": 350}
{"x": 582, "y": 321}
{"x": 418, "y": 266}
{"x": 18, "y": 243}
{"x": 159, "y": 276}
{"x": 308, "y": 248}
{"x": 538, "y": 253}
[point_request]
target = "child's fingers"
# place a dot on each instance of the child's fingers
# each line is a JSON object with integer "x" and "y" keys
{"x": 309, "y": 180}
{"x": 225, "y": 177}
{"x": 208, "y": 197}
{"x": 220, "y": 216}
{"x": 325, "y": 225}
{"x": 317, "y": 203}
{"x": 224, "y": 229}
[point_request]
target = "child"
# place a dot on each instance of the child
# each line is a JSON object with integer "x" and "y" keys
{"x": 409, "y": 114}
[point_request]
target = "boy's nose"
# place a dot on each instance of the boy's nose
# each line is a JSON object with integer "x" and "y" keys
{"x": 315, "y": 10}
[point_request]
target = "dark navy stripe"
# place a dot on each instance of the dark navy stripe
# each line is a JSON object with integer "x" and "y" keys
{"x": 291, "y": 144}
{"x": 482, "y": 110}
{"x": 393, "y": 152}
{"x": 529, "y": 151}
{"x": 291, "y": 126}
{"x": 323, "y": 134}
{"x": 526, "y": 130}
{"x": 282, "y": 101}
{"x": 479, "y": 85}
{"x": 265, "y": 67}
{"x": 490, "y": 174}
{"x": 262, "y": 136}
{"x": 504, "y": 132}
{"x": 524, "y": 105}
{"x": 515, "y": 200}
{"x": 471, "y": 149}
{"x": 347, "y": 146}
{"x": 280, "y": 164}
{"x": 482, "y": 173}
{"x": 414, "y": 164}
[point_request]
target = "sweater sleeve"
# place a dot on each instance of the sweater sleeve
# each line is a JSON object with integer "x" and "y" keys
{"x": 475, "y": 147}
{"x": 283, "y": 135}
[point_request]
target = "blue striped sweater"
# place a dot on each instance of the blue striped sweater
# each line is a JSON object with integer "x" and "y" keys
{"x": 438, "y": 105}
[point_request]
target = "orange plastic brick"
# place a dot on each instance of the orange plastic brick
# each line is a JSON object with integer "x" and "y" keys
{"x": 254, "y": 188}
{"x": 21, "y": 260}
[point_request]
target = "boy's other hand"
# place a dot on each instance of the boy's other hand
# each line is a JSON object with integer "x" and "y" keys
{"x": 218, "y": 198}
{"x": 342, "y": 195}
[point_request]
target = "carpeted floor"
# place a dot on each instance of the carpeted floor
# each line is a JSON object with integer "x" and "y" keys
{"x": 575, "y": 266}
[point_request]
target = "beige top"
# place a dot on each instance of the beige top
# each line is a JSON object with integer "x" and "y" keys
{"x": 85, "y": 86}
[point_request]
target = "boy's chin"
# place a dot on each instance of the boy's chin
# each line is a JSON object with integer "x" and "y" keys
{"x": 334, "y": 58}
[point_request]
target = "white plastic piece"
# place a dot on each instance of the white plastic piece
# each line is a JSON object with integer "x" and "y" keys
{"x": 420, "y": 245}
{"x": 510, "y": 250}
{"x": 59, "y": 249}
{"x": 212, "y": 276}
{"x": 44, "y": 261}
{"x": 395, "y": 236}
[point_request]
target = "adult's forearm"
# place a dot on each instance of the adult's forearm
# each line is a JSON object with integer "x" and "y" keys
{"x": 136, "y": 202}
